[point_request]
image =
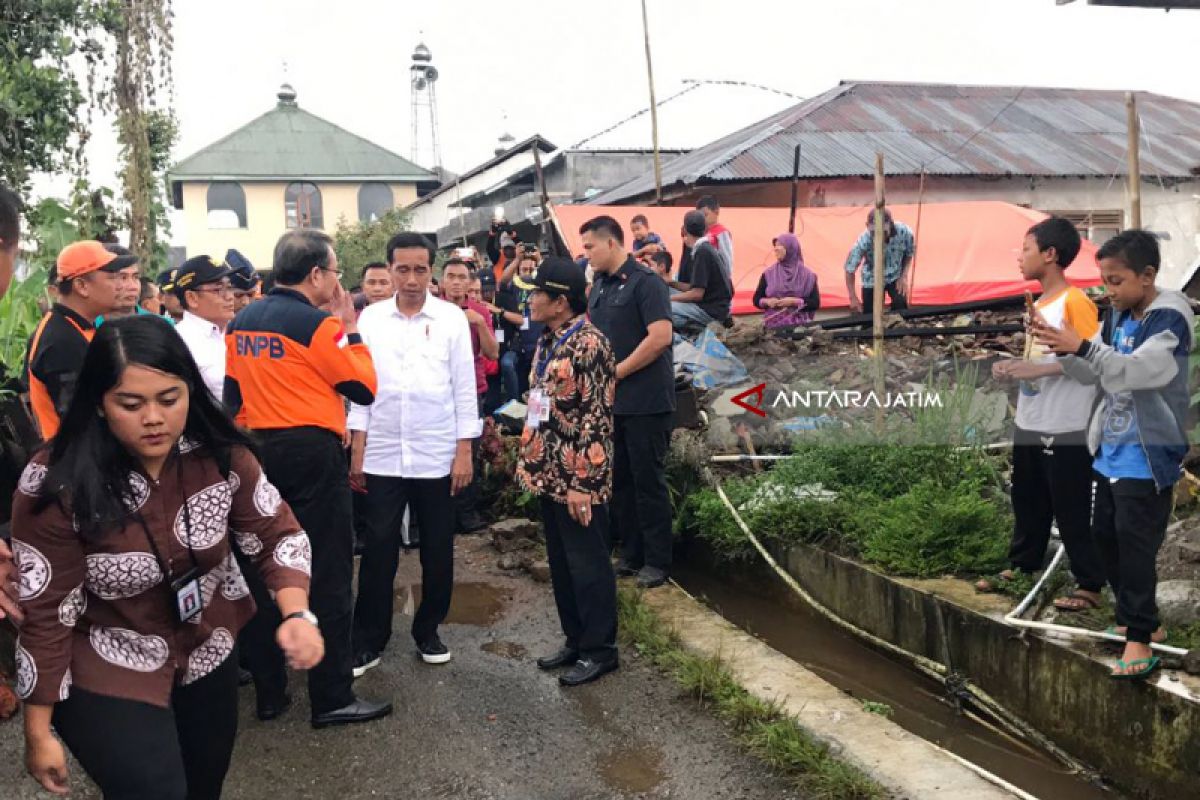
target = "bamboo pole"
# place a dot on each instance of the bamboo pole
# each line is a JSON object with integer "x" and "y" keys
{"x": 653, "y": 109}
{"x": 545, "y": 200}
{"x": 795, "y": 190}
{"x": 877, "y": 304}
{"x": 1135, "y": 170}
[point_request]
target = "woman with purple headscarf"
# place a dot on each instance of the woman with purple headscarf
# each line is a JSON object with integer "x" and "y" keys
{"x": 787, "y": 292}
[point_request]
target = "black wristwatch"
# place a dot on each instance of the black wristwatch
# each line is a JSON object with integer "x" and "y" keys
{"x": 305, "y": 615}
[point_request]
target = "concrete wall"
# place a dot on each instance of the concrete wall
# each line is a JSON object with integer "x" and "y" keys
{"x": 1172, "y": 211}
{"x": 1141, "y": 737}
{"x": 265, "y": 217}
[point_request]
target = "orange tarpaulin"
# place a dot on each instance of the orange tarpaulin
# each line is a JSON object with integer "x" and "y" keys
{"x": 965, "y": 251}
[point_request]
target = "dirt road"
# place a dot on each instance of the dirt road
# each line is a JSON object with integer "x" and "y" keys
{"x": 487, "y": 726}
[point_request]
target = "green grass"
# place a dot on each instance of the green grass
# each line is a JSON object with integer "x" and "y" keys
{"x": 912, "y": 510}
{"x": 760, "y": 726}
{"x": 882, "y": 709}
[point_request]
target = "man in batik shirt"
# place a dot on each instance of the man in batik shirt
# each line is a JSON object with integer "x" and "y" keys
{"x": 566, "y": 459}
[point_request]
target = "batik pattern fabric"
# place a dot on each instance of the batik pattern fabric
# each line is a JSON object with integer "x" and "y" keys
{"x": 100, "y": 611}
{"x": 572, "y": 450}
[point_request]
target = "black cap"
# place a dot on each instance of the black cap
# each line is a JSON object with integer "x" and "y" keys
{"x": 558, "y": 276}
{"x": 166, "y": 279}
{"x": 244, "y": 277}
{"x": 487, "y": 278}
{"x": 199, "y": 271}
{"x": 124, "y": 258}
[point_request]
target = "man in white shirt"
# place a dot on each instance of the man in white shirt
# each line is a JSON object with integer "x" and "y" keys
{"x": 411, "y": 447}
{"x": 206, "y": 296}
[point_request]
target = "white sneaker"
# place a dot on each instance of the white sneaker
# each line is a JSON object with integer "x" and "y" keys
{"x": 364, "y": 662}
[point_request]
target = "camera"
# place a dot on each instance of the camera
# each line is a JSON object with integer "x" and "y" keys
{"x": 529, "y": 249}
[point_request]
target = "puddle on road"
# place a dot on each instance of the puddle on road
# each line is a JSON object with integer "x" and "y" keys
{"x": 631, "y": 771}
{"x": 504, "y": 649}
{"x": 471, "y": 603}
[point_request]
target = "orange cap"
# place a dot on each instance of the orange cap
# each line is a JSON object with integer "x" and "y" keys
{"x": 80, "y": 258}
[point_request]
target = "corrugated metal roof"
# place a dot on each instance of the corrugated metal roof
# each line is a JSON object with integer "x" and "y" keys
{"x": 288, "y": 142}
{"x": 944, "y": 129}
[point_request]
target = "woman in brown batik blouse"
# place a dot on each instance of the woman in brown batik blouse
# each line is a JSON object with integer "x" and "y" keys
{"x": 132, "y": 597}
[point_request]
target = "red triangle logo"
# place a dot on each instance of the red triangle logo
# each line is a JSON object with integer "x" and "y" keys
{"x": 757, "y": 393}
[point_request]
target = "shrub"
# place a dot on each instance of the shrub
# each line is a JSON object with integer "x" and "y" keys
{"x": 936, "y": 530}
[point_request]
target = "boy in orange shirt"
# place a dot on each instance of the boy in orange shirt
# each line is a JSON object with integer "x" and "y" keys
{"x": 1052, "y": 475}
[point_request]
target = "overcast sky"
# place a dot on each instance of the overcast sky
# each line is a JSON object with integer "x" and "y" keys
{"x": 567, "y": 69}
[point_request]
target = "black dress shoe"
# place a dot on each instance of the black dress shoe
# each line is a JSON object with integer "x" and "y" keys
{"x": 358, "y": 711}
{"x": 244, "y": 677}
{"x": 651, "y": 577}
{"x": 272, "y": 708}
{"x": 586, "y": 670}
{"x": 626, "y": 570}
{"x": 563, "y": 658}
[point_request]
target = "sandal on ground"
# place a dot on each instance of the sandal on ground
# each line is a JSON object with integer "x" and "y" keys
{"x": 1158, "y": 637}
{"x": 1078, "y": 601}
{"x": 1151, "y": 664}
{"x": 985, "y": 585}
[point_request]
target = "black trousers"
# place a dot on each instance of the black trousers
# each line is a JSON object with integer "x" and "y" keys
{"x": 136, "y": 751}
{"x": 256, "y": 641}
{"x": 893, "y": 290}
{"x": 466, "y": 502}
{"x": 429, "y": 500}
{"x": 1052, "y": 482}
{"x": 308, "y": 466}
{"x": 641, "y": 502}
{"x": 585, "y": 586}
{"x": 1129, "y": 524}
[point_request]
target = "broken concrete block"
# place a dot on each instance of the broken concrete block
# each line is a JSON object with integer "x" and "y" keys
{"x": 515, "y": 528}
{"x": 539, "y": 571}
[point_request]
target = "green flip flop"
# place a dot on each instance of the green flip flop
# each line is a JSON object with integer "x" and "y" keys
{"x": 1152, "y": 664}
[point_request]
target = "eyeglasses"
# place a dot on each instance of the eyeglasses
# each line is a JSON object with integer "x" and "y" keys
{"x": 219, "y": 291}
{"x": 336, "y": 272}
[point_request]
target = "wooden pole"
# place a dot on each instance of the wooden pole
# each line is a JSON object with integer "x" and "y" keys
{"x": 545, "y": 201}
{"x": 795, "y": 190}
{"x": 877, "y": 304}
{"x": 1135, "y": 169}
{"x": 653, "y": 109}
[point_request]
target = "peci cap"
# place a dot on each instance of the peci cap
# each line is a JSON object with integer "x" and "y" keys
{"x": 558, "y": 276}
{"x": 81, "y": 258}
{"x": 198, "y": 271}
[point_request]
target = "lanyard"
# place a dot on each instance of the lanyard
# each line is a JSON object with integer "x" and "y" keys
{"x": 187, "y": 522}
{"x": 543, "y": 360}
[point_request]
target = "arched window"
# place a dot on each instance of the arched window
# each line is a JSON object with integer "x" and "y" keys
{"x": 226, "y": 205}
{"x": 302, "y": 206}
{"x": 374, "y": 200}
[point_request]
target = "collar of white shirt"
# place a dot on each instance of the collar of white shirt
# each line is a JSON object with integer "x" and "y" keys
{"x": 202, "y": 325}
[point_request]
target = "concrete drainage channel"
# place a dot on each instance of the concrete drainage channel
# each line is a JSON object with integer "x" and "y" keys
{"x": 852, "y": 672}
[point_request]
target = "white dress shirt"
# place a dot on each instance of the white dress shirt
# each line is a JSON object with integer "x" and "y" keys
{"x": 207, "y": 343}
{"x": 426, "y": 398}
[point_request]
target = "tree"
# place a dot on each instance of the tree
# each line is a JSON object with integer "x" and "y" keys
{"x": 358, "y": 244}
{"x": 141, "y": 30}
{"x": 40, "y": 98}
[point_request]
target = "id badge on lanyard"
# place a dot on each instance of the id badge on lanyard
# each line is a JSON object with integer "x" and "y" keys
{"x": 538, "y": 409}
{"x": 189, "y": 602}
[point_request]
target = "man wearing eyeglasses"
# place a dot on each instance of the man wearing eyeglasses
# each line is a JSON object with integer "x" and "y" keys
{"x": 288, "y": 366}
{"x": 203, "y": 289}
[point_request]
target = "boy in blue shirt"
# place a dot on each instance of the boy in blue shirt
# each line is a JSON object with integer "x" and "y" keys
{"x": 645, "y": 242}
{"x": 1138, "y": 433}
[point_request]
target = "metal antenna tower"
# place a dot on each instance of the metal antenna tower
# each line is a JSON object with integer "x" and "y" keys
{"x": 424, "y": 99}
